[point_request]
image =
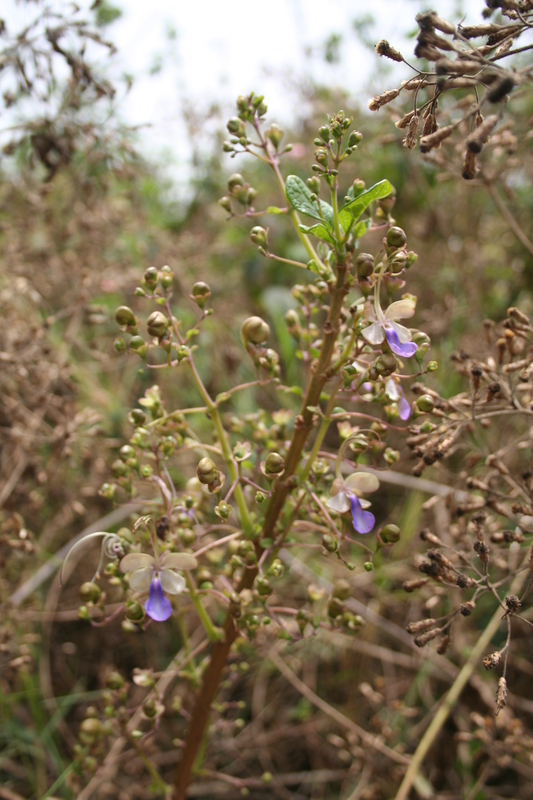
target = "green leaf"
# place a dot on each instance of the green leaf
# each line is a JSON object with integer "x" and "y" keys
{"x": 361, "y": 228}
{"x": 320, "y": 231}
{"x": 351, "y": 212}
{"x": 300, "y": 197}
{"x": 275, "y": 210}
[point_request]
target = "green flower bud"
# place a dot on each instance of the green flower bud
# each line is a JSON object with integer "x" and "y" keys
{"x": 207, "y": 471}
{"x": 274, "y": 134}
{"x": 324, "y": 133}
{"x": 368, "y": 566}
{"x": 432, "y": 366}
{"x": 358, "y": 187}
{"x": 396, "y": 237}
{"x": 313, "y": 184}
{"x": 386, "y": 364}
{"x": 115, "y": 681}
{"x": 264, "y": 589}
{"x": 255, "y": 330}
{"x": 225, "y": 202}
{"x": 330, "y": 543}
{"x": 234, "y": 181}
{"x": 258, "y": 236}
{"x": 342, "y": 589}
{"x": 125, "y": 317}
{"x": 390, "y": 534}
{"x": 119, "y": 469}
{"x": 276, "y": 569}
{"x": 137, "y": 416}
{"x": 425, "y": 404}
{"x": 119, "y": 345}
{"x": 146, "y": 471}
{"x": 236, "y": 126}
{"x": 157, "y": 324}
{"x": 90, "y": 592}
{"x": 134, "y": 611}
{"x": 107, "y": 491}
{"x": 355, "y": 139}
{"x": 274, "y": 464}
{"x": 223, "y": 510}
{"x": 335, "y": 608}
{"x": 90, "y": 730}
{"x": 364, "y": 265}
{"x": 321, "y": 156}
{"x": 83, "y": 613}
{"x": 137, "y": 343}
{"x": 151, "y": 276}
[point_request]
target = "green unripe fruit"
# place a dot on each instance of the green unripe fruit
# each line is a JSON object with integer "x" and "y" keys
{"x": 91, "y": 728}
{"x": 223, "y": 510}
{"x": 115, "y": 681}
{"x": 274, "y": 464}
{"x": 187, "y": 536}
{"x": 136, "y": 343}
{"x": 335, "y": 608}
{"x": 134, "y": 611}
{"x": 234, "y": 181}
{"x": 264, "y": 589}
{"x": 396, "y": 237}
{"x": 342, "y": 589}
{"x": 119, "y": 469}
{"x": 126, "y": 452}
{"x": 425, "y": 403}
{"x": 108, "y": 490}
{"x": 90, "y": 592}
{"x": 201, "y": 289}
{"x": 151, "y": 276}
{"x": 386, "y": 364}
{"x": 150, "y": 707}
{"x": 255, "y": 330}
{"x": 330, "y": 543}
{"x": 390, "y": 534}
{"x": 432, "y": 366}
{"x": 146, "y": 471}
{"x": 258, "y": 236}
{"x": 125, "y": 317}
{"x": 364, "y": 265}
{"x": 157, "y": 324}
{"x": 368, "y": 566}
{"x": 119, "y": 345}
{"x": 207, "y": 471}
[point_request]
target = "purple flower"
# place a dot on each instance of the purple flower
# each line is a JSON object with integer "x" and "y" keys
{"x": 157, "y": 576}
{"x": 395, "y": 392}
{"x": 385, "y": 326}
{"x": 344, "y": 497}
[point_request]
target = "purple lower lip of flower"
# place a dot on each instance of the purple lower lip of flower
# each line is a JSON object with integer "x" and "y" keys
{"x": 158, "y": 607}
{"x": 406, "y": 350}
{"x": 363, "y": 521}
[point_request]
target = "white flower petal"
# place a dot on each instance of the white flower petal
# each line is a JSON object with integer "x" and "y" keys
{"x": 171, "y": 582}
{"x": 374, "y": 333}
{"x": 178, "y": 561}
{"x": 391, "y": 389}
{"x": 404, "y": 334}
{"x": 134, "y": 561}
{"x": 339, "y": 503}
{"x": 361, "y": 482}
{"x": 401, "y": 309}
{"x": 141, "y": 579}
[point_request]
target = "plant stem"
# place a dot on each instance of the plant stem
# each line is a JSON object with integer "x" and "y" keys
{"x": 452, "y": 697}
{"x": 213, "y": 634}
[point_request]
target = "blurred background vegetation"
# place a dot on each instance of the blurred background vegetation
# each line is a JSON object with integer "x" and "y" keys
{"x": 82, "y": 214}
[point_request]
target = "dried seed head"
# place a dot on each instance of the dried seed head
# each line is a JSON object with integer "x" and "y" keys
{"x": 411, "y": 586}
{"x": 421, "y": 626}
{"x": 424, "y": 638}
{"x": 427, "y": 143}
{"x": 469, "y": 166}
{"x": 492, "y": 660}
{"x": 467, "y": 608}
{"x": 501, "y": 695}
{"x": 464, "y": 582}
{"x": 412, "y": 132}
{"x": 430, "y": 20}
{"x": 383, "y": 48}
{"x": 478, "y": 138}
{"x": 502, "y": 88}
{"x": 512, "y": 603}
{"x": 446, "y": 66}
{"x": 443, "y": 645}
{"x": 381, "y": 100}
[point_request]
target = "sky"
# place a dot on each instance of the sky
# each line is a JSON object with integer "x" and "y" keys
{"x": 196, "y": 53}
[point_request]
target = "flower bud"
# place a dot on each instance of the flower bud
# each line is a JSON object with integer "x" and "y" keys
{"x": 396, "y": 237}
{"x": 201, "y": 293}
{"x": 119, "y": 344}
{"x": 313, "y": 184}
{"x": 157, "y": 324}
{"x": 90, "y": 592}
{"x": 236, "y": 126}
{"x": 207, "y": 471}
{"x": 390, "y": 534}
{"x": 234, "y": 181}
{"x": 425, "y": 404}
{"x": 255, "y": 330}
{"x": 355, "y": 138}
{"x": 275, "y": 135}
{"x": 151, "y": 277}
{"x": 125, "y": 317}
{"x": 258, "y": 236}
{"x": 90, "y": 730}
{"x": 137, "y": 343}
{"x": 225, "y": 202}
{"x": 330, "y": 543}
{"x": 115, "y": 681}
{"x": 321, "y": 156}
{"x": 364, "y": 265}
{"x": 386, "y": 364}
{"x": 342, "y": 589}
{"x": 274, "y": 464}
{"x": 264, "y": 589}
{"x": 137, "y": 416}
{"x": 335, "y": 608}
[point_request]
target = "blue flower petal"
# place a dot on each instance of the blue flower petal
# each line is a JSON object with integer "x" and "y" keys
{"x": 406, "y": 350}
{"x": 363, "y": 521}
{"x": 404, "y": 408}
{"x": 158, "y": 607}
